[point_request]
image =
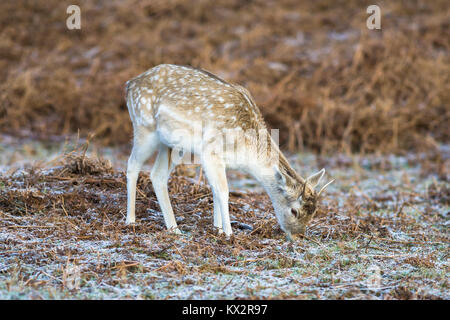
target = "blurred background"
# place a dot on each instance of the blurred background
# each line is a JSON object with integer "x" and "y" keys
{"x": 314, "y": 68}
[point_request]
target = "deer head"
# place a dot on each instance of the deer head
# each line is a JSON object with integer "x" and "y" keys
{"x": 295, "y": 200}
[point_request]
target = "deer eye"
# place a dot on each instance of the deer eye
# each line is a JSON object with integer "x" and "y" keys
{"x": 294, "y": 212}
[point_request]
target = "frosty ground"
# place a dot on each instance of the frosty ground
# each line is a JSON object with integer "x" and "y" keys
{"x": 381, "y": 231}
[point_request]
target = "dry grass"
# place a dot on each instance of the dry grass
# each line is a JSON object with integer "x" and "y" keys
{"x": 70, "y": 216}
{"x": 315, "y": 70}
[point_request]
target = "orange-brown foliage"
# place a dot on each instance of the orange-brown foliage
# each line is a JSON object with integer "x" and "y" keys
{"x": 316, "y": 71}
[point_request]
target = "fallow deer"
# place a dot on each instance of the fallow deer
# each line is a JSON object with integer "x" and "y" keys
{"x": 186, "y": 109}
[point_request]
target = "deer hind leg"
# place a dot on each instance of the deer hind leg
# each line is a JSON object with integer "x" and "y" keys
{"x": 215, "y": 172}
{"x": 159, "y": 176}
{"x": 144, "y": 145}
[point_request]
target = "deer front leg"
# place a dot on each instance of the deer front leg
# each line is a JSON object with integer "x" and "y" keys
{"x": 215, "y": 173}
{"x": 159, "y": 176}
{"x": 217, "y": 215}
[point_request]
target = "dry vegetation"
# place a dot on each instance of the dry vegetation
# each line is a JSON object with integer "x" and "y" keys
{"x": 317, "y": 73}
{"x": 64, "y": 222}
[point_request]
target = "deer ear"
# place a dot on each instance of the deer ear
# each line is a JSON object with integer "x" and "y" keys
{"x": 315, "y": 178}
{"x": 323, "y": 188}
{"x": 281, "y": 179}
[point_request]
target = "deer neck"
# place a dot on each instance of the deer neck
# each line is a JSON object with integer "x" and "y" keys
{"x": 264, "y": 172}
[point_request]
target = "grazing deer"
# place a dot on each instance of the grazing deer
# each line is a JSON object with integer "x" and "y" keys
{"x": 187, "y": 109}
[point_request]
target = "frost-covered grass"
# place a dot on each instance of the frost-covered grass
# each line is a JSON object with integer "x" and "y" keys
{"x": 381, "y": 233}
